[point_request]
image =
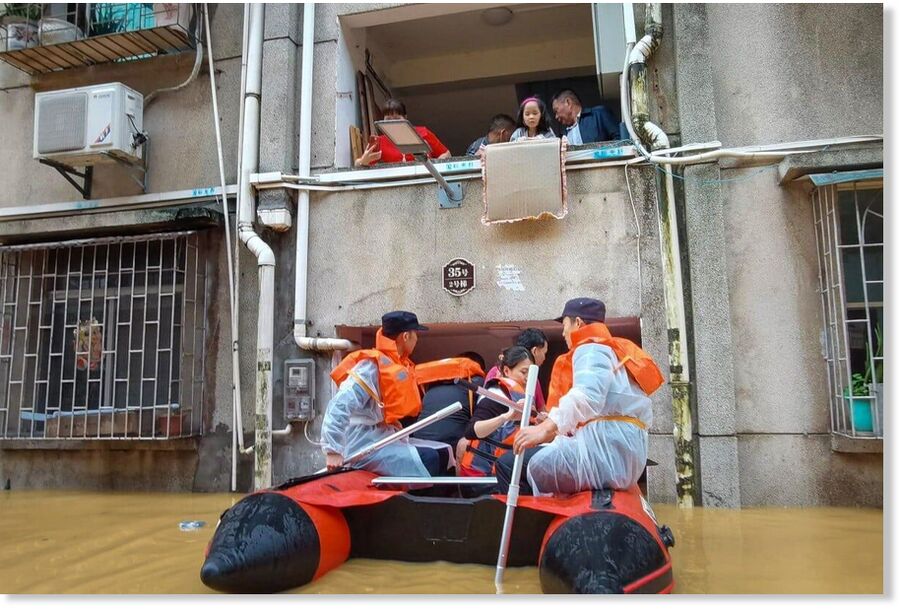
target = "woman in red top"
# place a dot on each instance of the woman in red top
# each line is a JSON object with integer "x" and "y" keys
{"x": 381, "y": 150}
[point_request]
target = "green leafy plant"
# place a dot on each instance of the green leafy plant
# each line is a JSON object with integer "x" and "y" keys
{"x": 876, "y": 375}
{"x": 106, "y": 18}
{"x": 23, "y": 10}
{"x": 859, "y": 385}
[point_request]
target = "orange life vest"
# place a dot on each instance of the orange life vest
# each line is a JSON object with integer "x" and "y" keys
{"x": 482, "y": 454}
{"x": 638, "y": 363}
{"x": 448, "y": 369}
{"x": 400, "y": 396}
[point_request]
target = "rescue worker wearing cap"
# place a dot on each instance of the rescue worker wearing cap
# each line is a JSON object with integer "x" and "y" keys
{"x": 377, "y": 388}
{"x": 600, "y": 412}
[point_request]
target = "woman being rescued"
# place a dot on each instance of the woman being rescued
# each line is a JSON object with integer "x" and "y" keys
{"x": 493, "y": 427}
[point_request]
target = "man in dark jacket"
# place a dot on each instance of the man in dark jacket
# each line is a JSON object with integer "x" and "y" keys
{"x": 502, "y": 126}
{"x": 583, "y": 125}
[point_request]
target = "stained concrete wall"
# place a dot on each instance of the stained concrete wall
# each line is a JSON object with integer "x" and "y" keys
{"x": 382, "y": 249}
{"x": 183, "y": 156}
{"x": 791, "y": 72}
{"x": 180, "y": 124}
{"x": 762, "y": 74}
{"x": 781, "y": 387}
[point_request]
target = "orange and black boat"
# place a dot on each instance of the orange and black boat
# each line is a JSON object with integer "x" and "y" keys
{"x": 285, "y": 537}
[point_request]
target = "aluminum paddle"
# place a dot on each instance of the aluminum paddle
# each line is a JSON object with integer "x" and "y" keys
{"x": 512, "y": 496}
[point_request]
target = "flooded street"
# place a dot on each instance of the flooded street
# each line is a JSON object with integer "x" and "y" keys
{"x": 115, "y": 543}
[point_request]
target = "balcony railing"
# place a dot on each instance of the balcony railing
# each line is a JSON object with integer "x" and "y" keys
{"x": 38, "y": 38}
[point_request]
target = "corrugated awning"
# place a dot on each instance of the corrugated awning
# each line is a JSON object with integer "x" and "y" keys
{"x": 840, "y": 177}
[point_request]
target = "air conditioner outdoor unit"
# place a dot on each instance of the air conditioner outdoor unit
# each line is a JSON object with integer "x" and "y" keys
{"x": 89, "y": 125}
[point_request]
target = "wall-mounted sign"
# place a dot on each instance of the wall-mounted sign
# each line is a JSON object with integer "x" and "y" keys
{"x": 458, "y": 276}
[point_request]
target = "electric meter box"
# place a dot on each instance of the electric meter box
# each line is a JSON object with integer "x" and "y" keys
{"x": 299, "y": 389}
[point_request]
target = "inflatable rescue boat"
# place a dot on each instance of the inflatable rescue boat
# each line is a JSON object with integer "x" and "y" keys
{"x": 285, "y": 537}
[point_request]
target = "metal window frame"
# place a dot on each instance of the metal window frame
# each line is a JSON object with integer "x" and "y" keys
{"x": 835, "y": 304}
{"x": 184, "y": 285}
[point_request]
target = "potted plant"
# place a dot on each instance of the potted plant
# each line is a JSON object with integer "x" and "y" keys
{"x": 106, "y": 18}
{"x": 20, "y": 22}
{"x": 857, "y": 394}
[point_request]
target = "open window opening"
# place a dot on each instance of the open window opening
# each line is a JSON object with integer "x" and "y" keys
{"x": 456, "y": 66}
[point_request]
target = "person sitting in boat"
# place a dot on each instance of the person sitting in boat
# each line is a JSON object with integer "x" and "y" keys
{"x": 377, "y": 388}
{"x": 493, "y": 426}
{"x": 600, "y": 412}
{"x": 436, "y": 379}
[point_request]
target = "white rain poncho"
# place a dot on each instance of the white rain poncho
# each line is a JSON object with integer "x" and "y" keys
{"x": 609, "y": 454}
{"x": 354, "y": 421}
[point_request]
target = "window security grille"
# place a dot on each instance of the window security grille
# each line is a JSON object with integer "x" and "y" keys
{"x": 103, "y": 338}
{"x": 849, "y": 233}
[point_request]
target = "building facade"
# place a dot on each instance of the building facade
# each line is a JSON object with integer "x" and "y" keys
{"x": 117, "y": 341}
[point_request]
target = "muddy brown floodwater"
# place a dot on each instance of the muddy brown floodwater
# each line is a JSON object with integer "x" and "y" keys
{"x": 119, "y": 543}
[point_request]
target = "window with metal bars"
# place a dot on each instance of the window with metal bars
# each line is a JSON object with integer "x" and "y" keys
{"x": 849, "y": 223}
{"x": 103, "y": 338}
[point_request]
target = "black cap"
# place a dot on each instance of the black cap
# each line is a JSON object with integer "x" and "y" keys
{"x": 395, "y": 322}
{"x": 587, "y": 309}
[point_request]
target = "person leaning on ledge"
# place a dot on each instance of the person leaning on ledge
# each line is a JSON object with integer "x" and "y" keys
{"x": 382, "y": 150}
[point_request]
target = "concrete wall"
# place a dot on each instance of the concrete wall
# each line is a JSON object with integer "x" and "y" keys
{"x": 183, "y": 156}
{"x": 180, "y": 124}
{"x": 791, "y": 72}
{"x": 761, "y": 74}
{"x": 781, "y": 388}
{"x": 377, "y": 250}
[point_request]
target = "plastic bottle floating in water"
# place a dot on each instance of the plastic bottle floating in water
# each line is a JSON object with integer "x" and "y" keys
{"x": 191, "y": 525}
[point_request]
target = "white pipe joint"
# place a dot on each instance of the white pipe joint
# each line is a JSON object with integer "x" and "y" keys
{"x": 288, "y": 430}
{"x": 641, "y": 50}
{"x": 308, "y": 343}
{"x": 263, "y": 252}
{"x": 658, "y": 138}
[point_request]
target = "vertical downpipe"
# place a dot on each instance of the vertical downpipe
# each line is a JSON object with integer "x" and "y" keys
{"x": 262, "y": 448}
{"x": 262, "y": 453}
{"x": 679, "y": 370}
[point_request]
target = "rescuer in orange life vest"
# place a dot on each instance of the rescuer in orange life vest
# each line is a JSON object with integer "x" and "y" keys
{"x": 599, "y": 412}
{"x": 377, "y": 388}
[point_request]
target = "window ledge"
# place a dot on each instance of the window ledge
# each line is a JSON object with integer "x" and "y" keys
{"x": 846, "y": 444}
{"x": 175, "y": 444}
{"x": 836, "y": 158}
{"x": 596, "y": 152}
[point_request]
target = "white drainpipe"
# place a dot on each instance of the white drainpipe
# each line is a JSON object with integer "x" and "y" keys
{"x": 302, "y": 250}
{"x": 262, "y": 451}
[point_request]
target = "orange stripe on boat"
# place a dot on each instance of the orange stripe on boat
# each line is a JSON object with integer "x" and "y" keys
{"x": 572, "y": 505}
{"x": 640, "y": 583}
{"x": 554, "y": 524}
{"x": 346, "y": 489}
{"x": 334, "y": 537}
